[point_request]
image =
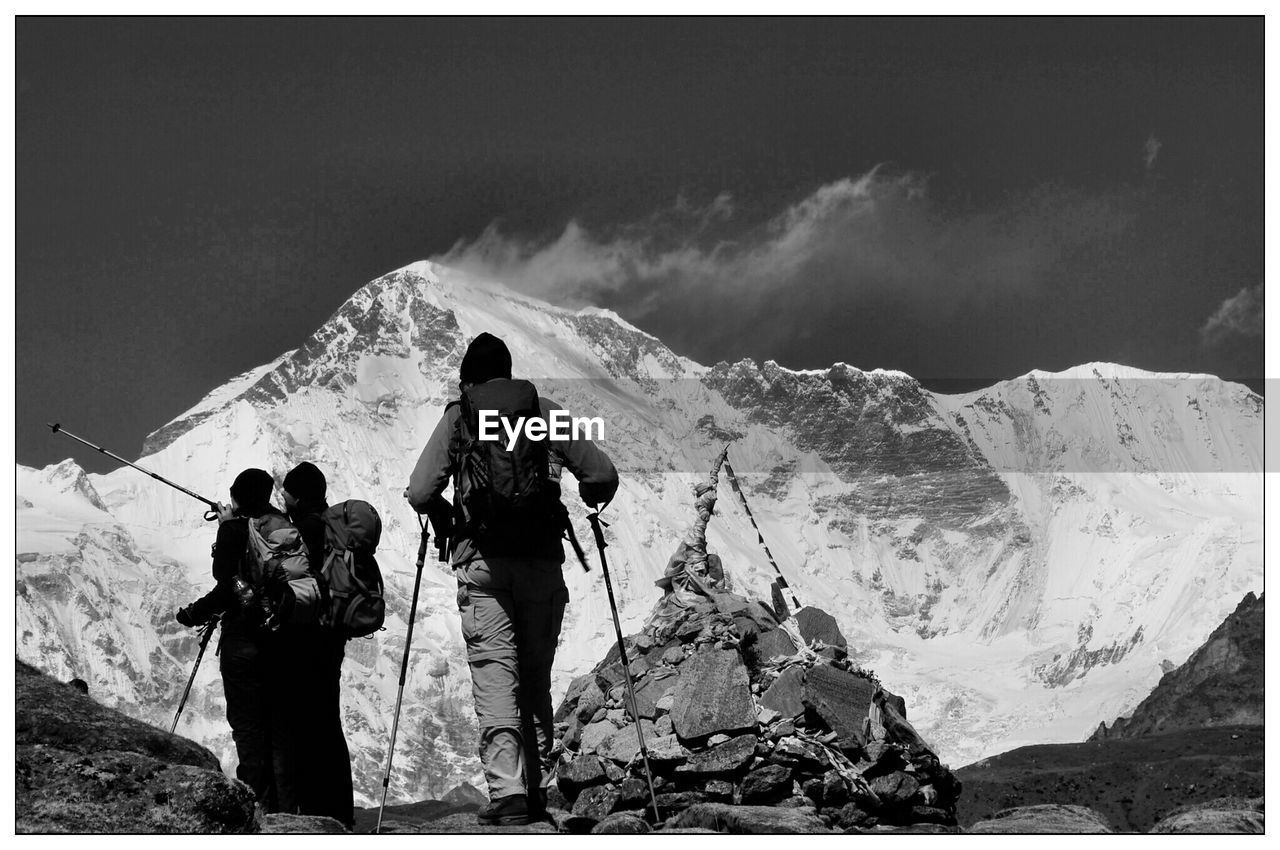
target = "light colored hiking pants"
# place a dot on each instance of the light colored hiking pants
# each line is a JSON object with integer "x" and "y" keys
{"x": 512, "y": 610}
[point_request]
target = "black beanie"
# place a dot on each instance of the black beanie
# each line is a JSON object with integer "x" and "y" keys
{"x": 252, "y": 489}
{"x": 487, "y": 357}
{"x": 305, "y": 483}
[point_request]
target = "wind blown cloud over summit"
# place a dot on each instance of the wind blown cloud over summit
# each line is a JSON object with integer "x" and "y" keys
{"x": 872, "y": 270}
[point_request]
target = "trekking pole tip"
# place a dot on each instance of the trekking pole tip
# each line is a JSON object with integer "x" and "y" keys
{"x": 54, "y": 426}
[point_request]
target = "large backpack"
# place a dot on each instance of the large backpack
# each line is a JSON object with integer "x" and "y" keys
{"x": 497, "y": 488}
{"x": 279, "y": 571}
{"x": 352, "y": 530}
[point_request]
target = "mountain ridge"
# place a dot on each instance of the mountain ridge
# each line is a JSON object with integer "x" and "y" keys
{"x": 966, "y": 557}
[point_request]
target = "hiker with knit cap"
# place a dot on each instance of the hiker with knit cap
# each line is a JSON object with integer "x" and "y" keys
{"x": 324, "y": 762}
{"x": 246, "y": 649}
{"x": 507, "y": 554}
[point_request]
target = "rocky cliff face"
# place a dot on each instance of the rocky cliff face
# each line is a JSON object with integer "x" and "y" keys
{"x": 82, "y": 768}
{"x": 1221, "y": 684}
{"x": 1023, "y": 558}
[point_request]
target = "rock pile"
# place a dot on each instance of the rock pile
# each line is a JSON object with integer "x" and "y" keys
{"x": 751, "y": 725}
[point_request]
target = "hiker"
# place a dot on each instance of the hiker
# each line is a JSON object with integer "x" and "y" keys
{"x": 247, "y": 649}
{"x": 511, "y": 594}
{"x": 324, "y": 766}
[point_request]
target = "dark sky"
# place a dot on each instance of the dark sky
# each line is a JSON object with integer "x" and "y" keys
{"x": 196, "y": 196}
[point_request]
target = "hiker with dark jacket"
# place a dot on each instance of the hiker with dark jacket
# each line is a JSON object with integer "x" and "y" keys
{"x": 247, "y": 650}
{"x": 511, "y": 594}
{"x": 324, "y": 763}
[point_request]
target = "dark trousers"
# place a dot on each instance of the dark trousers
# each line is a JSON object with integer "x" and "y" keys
{"x": 283, "y": 694}
{"x": 325, "y": 763}
{"x": 243, "y": 659}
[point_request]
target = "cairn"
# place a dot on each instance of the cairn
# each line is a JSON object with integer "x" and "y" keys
{"x": 754, "y": 721}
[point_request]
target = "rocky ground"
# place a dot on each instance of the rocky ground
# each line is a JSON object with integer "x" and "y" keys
{"x": 1133, "y": 782}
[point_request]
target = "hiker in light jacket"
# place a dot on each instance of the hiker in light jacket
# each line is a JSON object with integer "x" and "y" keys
{"x": 511, "y": 594}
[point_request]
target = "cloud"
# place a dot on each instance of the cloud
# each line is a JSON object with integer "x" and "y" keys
{"x": 1150, "y": 151}
{"x": 1238, "y": 316}
{"x": 853, "y": 252}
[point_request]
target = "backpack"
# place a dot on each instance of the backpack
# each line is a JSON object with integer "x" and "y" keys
{"x": 280, "y": 572}
{"x": 351, "y": 533}
{"x": 498, "y": 489}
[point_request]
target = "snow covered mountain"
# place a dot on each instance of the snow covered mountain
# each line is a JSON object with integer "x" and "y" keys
{"x": 1017, "y": 562}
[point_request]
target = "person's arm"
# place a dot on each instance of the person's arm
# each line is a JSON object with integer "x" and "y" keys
{"x": 436, "y": 464}
{"x": 229, "y": 548}
{"x": 597, "y": 477}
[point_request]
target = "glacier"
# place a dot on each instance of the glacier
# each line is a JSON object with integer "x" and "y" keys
{"x": 1017, "y": 562}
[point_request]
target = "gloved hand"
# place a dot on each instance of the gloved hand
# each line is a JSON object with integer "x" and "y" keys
{"x": 594, "y": 494}
{"x": 440, "y": 514}
{"x": 188, "y": 618}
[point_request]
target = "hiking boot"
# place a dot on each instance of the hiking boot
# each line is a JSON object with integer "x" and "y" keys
{"x": 512, "y": 810}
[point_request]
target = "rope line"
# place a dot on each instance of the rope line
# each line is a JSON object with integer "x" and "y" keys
{"x": 742, "y": 497}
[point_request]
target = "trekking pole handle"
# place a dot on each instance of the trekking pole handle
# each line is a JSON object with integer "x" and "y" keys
{"x": 422, "y": 545}
{"x": 209, "y": 515}
{"x": 596, "y": 523}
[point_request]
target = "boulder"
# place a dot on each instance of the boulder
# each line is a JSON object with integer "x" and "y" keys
{"x": 768, "y": 784}
{"x": 784, "y": 695}
{"x": 649, "y": 692}
{"x": 582, "y": 772}
{"x": 117, "y": 791}
{"x": 851, "y": 816}
{"x": 1042, "y": 819}
{"x": 772, "y": 644}
{"x": 798, "y": 753}
{"x": 81, "y": 767}
{"x": 895, "y": 790}
{"x": 841, "y": 699}
{"x": 1235, "y": 821}
{"x": 621, "y": 823}
{"x": 673, "y": 655}
{"x": 817, "y": 625}
{"x": 674, "y": 801}
{"x": 590, "y": 701}
{"x": 666, "y": 748}
{"x": 50, "y": 712}
{"x": 593, "y": 804}
{"x": 634, "y": 793}
{"x": 286, "y": 824}
{"x": 572, "y": 696}
{"x": 712, "y": 695}
{"x": 749, "y": 820}
{"x": 835, "y": 790}
{"x": 623, "y": 745}
{"x": 719, "y": 790}
{"x": 595, "y": 734}
{"x": 723, "y": 758}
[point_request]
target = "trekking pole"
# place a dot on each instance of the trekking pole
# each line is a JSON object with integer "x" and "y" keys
{"x": 404, "y": 668}
{"x": 205, "y": 634}
{"x": 573, "y": 541}
{"x": 742, "y": 497}
{"x": 210, "y": 514}
{"x": 596, "y": 523}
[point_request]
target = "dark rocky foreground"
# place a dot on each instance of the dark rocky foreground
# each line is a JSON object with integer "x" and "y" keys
{"x": 82, "y": 767}
{"x": 1134, "y": 783}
